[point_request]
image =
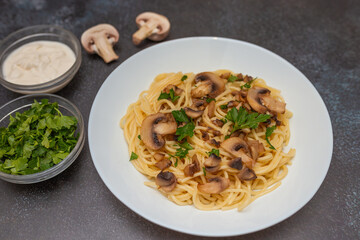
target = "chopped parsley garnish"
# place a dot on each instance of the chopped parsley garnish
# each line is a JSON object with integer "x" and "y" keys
{"x": 248, "y": 84}
{"x": 224, "y": 106}
{"x": 269, "y": 131}
{"x": 184, "y": 78}
{"x": 36, "y": 139}
{"x": 139, "y": 137}
{"x": 133, "y": 156}
{"x": 180, "y": 116}
{"x": 204, "y": 171}
{"x": 242, "y": 119}
{"x": 176, "y": 163}
{"x": 186, "y": 130}
{"x": 171, "y": 95}
{"x": 183, "y": 150}
{"x": 208, "y": 100}
{"x": 232, "y": 78}
{"x": 214, "y": 151}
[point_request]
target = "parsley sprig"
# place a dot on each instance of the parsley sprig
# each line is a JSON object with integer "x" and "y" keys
{"x": 242, "y": 119}
{"x": 214, "y": 151}
{"x": 181, "y": 152}
{"x": 171, "y": 95}
{"x": 269, "y": 131}
{"x": 186, "y": 130}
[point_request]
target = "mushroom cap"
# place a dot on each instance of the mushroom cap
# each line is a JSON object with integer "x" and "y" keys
{"x": 246, "y": 174}
{"x": 212, "y": 163}
{"x": 192, "y": 168}
{"x": 104, "y": 30}
{"x": 256, "y": 148}
{"x": 193, "y": 113}
{"x": 215, "y": 185}
{"x": 236, "y": 163}
{"x": 166, "y": 181}
{"x": 162, "y": 24}
{"x": 210, "y": 84}
{"x": 260, "y": 100}
{"x": 152, "y": 129}
{"x": 253, "y": 98}
{"x": 238, "y": 148}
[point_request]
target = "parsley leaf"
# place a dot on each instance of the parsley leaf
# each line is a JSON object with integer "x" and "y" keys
{"x": 184, "y": 78}
{"x": 269, "y": 131}
{"x": 204, "y": 171}
{"x": 176, "y": 162}
{"x": 248, "y": 84}
{"x": 171, "y": 95}
{"x": 183, "y": 150}
{"x": 180, "y": 116}
{"x": 133, "y": 156}
{"x": 187, "y": 130}
{"x": 232, "y": 78}
{"x": 242, "y": 119}
{"x": 224, "y": 106}
{"x": 208, "y": 100}
{"x": 214, "y": 151}
{"x": 139, "y": 137}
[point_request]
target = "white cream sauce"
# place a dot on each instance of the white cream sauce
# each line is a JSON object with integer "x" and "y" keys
{"x": 37, "y": 62}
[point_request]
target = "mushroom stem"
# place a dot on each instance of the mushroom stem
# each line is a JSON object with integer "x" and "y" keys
{"x": 104, "y": 48}
{"x": 144, "y": 31}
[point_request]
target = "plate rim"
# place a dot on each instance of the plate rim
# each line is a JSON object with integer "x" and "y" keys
{"x": 189, "y": 231}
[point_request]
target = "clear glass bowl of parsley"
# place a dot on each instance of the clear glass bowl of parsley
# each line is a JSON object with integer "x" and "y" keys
{"x": 40, "y": 136}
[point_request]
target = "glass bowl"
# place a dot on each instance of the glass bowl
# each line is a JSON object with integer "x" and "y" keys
{"x": 40, "y": 33}
{"x": 66, "y": 108}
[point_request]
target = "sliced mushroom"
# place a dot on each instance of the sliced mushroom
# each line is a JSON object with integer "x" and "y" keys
{"x": 214, "y": 142}
{"x": 199, "y": 104}
{"x": 193, "y": 113}
{"x": 211, "y": 109}
{"x": 192, "y": 168}
{"x": 204, "y": 135}
{"x": 208, "y": 84}
{"x": 236, "y": 163}
{"x": 246, "y": 174}
{"x": 256, "y": 148}
{"x": 260, "y": 100}
{"x": 240, "y": 95}
{"x": 166, "y": 181}
{"x": 154, "y": 127}
{"x": 232, "y": 104}
{"x": 212, "y": 163}
{"x": 238, "y": 148}
{"x": 151, "y": 25}
{"x": 218, "y": 122}
{"x": 100, "y": 39}
{"x": 214, "y": 185}
{"x": 159, "y": 156}
{"x": 165, "y": 163}
{"x": 176, "y": 89}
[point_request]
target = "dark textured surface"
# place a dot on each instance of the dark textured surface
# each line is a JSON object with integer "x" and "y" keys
{"x": 321, "y": 38}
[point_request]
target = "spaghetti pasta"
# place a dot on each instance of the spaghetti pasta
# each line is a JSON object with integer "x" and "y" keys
{"x": 194, "y": 149}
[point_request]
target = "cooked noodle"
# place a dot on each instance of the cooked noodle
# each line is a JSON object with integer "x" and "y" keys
{"x": 270, "y": 168}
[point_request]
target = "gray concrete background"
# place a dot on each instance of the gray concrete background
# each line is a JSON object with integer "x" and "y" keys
{"x": 321, "y": 38}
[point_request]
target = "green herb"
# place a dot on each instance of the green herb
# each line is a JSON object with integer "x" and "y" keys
{"x": 232, "y": 78}
{"x": 176, "y": 163}
{"x": 227, "y": 136}
{"x": 139, "y": 137}
{"x": 171, "y": 95}
{"x": 248, "y": 84}
{"x": 269, "y": 131}
{"x": 180, "y": 116}
{"x": 208, "y": 100}
{"x": 36, "y": 139}
{"x": 204, "y": 171}
{"x": 214, "y": 151}
{"x": 242, "y": 119}
{"x": 187, "y": 130}
{"x": 224, "y": 106}
{"x": 183, "y": 150}
{"x": 133, "y": 156}
{"x": 184, "y": 78}
{"x": 224, "y": 120}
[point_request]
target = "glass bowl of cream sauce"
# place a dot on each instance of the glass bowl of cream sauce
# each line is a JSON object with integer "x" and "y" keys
{"x": 39, "y": 59}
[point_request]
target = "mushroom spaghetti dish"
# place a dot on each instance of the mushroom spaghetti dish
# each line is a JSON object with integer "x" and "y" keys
{"x": 212, "y": 139}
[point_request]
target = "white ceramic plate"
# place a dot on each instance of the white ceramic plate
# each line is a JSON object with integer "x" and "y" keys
{"x": 311, "y": 134}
